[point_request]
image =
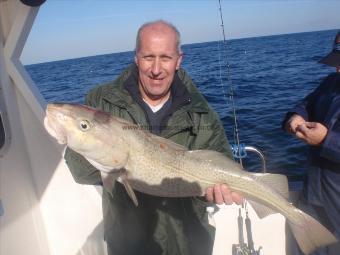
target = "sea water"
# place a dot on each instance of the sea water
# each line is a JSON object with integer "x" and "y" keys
{"x": 266, "y": 76}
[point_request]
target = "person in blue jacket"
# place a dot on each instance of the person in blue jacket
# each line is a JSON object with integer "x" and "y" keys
{"x": 316, "y": 121}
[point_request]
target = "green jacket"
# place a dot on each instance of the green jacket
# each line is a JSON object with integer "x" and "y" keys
{"x": 158, "y": 225}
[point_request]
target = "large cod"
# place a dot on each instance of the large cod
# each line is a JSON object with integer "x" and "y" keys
{"x": 157, "y": 166}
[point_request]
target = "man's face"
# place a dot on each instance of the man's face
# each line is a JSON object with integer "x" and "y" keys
{"x": 157, "y": 60}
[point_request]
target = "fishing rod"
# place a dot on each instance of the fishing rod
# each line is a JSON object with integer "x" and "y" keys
{"x": 237, "y": 148}
{"x": 239, "y": 152}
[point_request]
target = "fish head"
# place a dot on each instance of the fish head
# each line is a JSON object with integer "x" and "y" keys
{"x": 71, "y": 124}
{"x": 55, "y": 122}
{"x": 87, "y": 131}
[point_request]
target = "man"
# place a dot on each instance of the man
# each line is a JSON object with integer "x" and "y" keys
{"x": 316, "y": 121}
{"x": 156, "y": 94}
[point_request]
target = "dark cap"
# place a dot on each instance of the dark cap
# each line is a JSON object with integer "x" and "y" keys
{"x": 333, "y": 58}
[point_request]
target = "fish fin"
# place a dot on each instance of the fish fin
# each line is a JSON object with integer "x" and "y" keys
{"x": 108, "y": 180}
{"x": 278, "y": 182}
{"x": 123, "y": 179}
{"x": 260, "y": 209}
{"x": 214, "y": 157}
{"x": 310, "y": 234}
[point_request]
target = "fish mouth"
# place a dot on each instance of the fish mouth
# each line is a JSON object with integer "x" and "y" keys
{"x": 55, "y": 131}
{"x": 53, "y": 127}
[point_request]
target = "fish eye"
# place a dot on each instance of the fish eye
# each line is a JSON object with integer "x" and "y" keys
{"x": 84, "y": 125}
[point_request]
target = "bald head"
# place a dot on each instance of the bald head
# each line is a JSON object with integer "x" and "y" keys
{"x": 158, "y": 27}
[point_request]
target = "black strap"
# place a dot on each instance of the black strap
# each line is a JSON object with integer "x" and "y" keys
{"x": 33, "y": 3}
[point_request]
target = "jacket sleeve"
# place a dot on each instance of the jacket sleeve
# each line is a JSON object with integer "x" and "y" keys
{"x": 82, "y": 171}
{"x": 211, "y": 134}
{"x": 210, "y": 131}
{"x": 305, "y": 107}
{"x": 330, "y": 149}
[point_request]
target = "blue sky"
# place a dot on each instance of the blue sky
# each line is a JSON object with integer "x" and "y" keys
{"x": 66, "y": 29}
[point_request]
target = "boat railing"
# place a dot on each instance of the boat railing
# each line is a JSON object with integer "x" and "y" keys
{"x": 240, "y": 152}
{"x": 259, "y": 154}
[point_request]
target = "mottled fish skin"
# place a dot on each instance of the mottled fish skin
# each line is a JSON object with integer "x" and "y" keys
{"x": 160, "y": 167}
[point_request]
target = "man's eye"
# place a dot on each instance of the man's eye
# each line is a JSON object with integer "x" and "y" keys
{"x": 84, "y": 125}
{"x": 148, "y": 58}
{"x": 166, "y": 58}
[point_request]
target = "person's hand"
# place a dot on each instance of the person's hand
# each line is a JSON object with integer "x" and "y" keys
{"x": 220, "y": 193}
{"x": 293, "y": 123}
{"x": 312, "y": 133}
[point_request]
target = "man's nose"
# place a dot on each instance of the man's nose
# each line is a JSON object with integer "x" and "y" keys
{"x": 156, "y": 67}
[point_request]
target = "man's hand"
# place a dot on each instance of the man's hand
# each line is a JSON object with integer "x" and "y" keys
{"x": 221, "y": 193}
{"x": 293, "y": 123}
{"x": 312, "y": 133}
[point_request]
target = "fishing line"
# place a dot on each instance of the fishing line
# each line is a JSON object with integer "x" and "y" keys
{"x": 236, "y": 134}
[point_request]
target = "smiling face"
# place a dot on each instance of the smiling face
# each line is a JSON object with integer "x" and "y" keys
{"x": 157, "y": 59}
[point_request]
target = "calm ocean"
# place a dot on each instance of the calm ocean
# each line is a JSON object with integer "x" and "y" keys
{"x": 268, "y": 74}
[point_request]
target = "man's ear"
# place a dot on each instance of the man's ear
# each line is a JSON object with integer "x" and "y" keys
{"x": 136, "y": 60}
{"x": 179, "y": 61}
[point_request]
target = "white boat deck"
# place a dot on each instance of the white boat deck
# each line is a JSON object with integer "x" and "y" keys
{"x": 268, "y": 234}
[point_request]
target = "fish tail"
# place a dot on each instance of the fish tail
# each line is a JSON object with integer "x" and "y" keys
{"x": 310, "y": 234}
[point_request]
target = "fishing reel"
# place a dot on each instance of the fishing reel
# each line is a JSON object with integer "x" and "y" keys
{"x": 243, "y": 248}
{"x": 238, "y": 249}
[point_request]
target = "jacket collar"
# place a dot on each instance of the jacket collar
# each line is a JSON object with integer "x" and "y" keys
{"x": 121, "y": 93}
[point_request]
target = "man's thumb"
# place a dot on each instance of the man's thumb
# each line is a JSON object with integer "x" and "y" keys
{"x": 310, "y": 124}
